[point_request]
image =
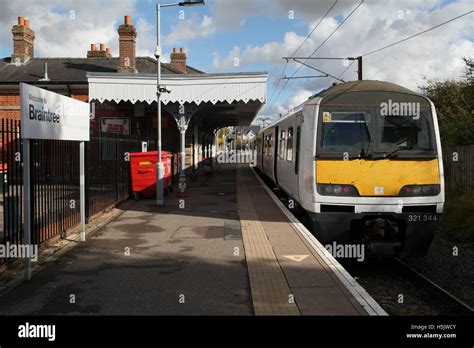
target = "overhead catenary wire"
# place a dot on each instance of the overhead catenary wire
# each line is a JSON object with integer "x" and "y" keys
{"x": 321, "y": 45}
{"x": 330, "y": 35}
{"x": 347, "y": 68}
{"x": 400, "y": 41}
{"x": 306, "y": 38}
{"x": 365, "y": 54}
{"x": 315, "y": 27}
{"x": 418, "y": 34}
{"x": 406, "y": 39}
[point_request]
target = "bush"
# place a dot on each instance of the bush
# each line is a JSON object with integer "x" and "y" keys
{"x": 454, "y": 102}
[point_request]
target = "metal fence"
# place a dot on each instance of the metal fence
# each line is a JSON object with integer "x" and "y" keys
{"x": 55, "y": 181}
{"x": 12, "y": 185}
{"x": 108, "y": 171}
{"x": 54, "y": 188}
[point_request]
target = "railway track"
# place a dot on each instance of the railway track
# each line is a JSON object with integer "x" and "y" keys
{"x": 461, "y": 303}
{"x": 402, "y": 290}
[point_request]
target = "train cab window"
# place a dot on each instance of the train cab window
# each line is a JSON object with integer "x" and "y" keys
{"x": 281, "y": 151}
{"x": 405, "y": 132}
{"x": 289, "y": 145}
{"x": 345, "y": 130}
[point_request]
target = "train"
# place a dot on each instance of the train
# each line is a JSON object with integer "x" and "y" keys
{"x": 363, "y": 161}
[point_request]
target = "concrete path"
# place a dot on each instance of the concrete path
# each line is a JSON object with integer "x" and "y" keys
{"x": 151, "y": 261}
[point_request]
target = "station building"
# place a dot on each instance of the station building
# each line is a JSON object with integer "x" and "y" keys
{"x": 122, "y": 91}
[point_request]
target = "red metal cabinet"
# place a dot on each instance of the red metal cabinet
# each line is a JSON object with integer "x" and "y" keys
{"x": 143, "y": 172}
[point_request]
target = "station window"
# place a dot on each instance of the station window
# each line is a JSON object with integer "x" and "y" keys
{"x": 281, "y": 151}
{"x": 289, "y": 145}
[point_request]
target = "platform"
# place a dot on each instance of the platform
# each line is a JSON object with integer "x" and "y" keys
{"x": 231, "y": 249}
{"x": 284, "y": 261}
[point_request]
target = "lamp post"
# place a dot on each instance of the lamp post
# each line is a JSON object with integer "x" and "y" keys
{"x": 160, "y": 169}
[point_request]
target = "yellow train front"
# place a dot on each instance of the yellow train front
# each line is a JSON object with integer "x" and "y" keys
{"x": 363, "y": 159}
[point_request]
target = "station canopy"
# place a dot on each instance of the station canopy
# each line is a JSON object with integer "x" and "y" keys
{"x": 220, "y": 99}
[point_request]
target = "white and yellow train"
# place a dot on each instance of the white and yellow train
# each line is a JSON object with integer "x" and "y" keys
{"x": 363, "y": 159}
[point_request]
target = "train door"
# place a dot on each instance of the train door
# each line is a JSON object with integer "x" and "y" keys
{"x": 263, "y": 145}
{"x": 297, "y": 156}
{"x": 275, "y": 154}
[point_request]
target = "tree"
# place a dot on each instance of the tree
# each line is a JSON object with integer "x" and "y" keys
{"x": 454, "y": 102}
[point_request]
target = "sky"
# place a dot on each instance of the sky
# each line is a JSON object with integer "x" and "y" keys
{"x": 254, "y": 35}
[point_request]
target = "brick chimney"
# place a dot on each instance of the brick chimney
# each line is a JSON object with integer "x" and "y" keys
{"x": 23, "y": 41}
{"x": 102, "y": 53}
{"x": 127, "y": 43}
{"x": 178, "y": 60}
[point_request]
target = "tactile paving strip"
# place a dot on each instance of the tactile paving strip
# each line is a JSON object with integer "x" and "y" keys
{"x": 270, "y": 292}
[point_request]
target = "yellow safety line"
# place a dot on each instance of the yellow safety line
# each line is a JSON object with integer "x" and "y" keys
{"x": 270, "y": 292}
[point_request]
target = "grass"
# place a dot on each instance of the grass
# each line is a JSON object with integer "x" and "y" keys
{"x": 458, "y": 219}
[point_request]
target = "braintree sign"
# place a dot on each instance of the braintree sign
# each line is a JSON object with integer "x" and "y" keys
{"x": 50, "y": 116}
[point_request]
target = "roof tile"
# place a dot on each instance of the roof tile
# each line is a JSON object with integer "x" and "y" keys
{"x": 74, "y": 69}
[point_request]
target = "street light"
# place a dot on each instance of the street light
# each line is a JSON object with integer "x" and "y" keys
{"x": 160, "y": 169}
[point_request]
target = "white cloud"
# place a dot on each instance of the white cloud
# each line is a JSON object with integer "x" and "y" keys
{"x": 436, "y": 54}
{"x": 190, "y": 29}
{"x": 146, "y": 38}
{"x": 300, "y": 97}
{"x": 66, "y": 27}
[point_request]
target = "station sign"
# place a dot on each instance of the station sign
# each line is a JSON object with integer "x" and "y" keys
{"x": 115, "y": 125}
{"x": 48, "y": 115}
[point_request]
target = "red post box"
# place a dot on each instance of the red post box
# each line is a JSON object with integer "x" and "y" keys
{"x": 143, "y": 172}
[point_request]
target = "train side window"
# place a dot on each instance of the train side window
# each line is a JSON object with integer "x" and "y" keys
{"x": 281, "y": 152}
{"x": 270, "y": 145}
{"x": 289, "y": 145}
{"x": 297, "y": 150}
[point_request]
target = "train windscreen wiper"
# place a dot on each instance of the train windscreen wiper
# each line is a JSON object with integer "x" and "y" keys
{"x": 366, "y": 153}
{"x": 395, "y": 152}
{"x": 363, "y": 152}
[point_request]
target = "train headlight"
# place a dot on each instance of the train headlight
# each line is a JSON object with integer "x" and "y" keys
{"x": 419, "y": 190}
{"x": 337, "y": 190}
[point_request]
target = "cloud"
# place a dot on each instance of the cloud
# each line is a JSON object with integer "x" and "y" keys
{"x": 269, "y": 53}
{"x": 190, "y": 29}
{"x": 300, "y": 97}
{"x": 66, "y": 27}
{"x": 146, "y": 37}
{"x": 436, "y": 54}
{"x": 232, "y": 14}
